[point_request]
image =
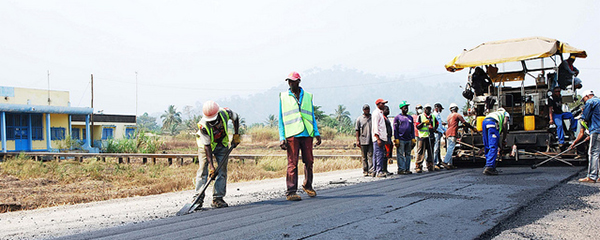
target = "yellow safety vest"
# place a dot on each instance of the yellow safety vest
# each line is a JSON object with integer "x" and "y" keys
{"x": 225, "y": 118}
{"x": 499, "y": 117}
{"x": 296, "y": 117}
{"x": 424, "y": 130}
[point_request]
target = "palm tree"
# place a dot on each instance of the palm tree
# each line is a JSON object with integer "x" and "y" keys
{"x": 271, "y": 121}
{"x": 319, "y": 114}
{"x": 171, "y": 119}
{"x": 341, "y": 115}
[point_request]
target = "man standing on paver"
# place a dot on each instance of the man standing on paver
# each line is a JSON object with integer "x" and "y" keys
{"x": 213, "y": 138}
{"x": 297, "y": 128}
{"x": 494, "y": 124}
{"x": 438, "y": 135}
{"x": 426, "y": 125}
{"x": 453, "y": 120}
{"x": 404, "y": 134}
{"x": 380, "y": 137}
{"x": 364, "y": 140}
{"x": 591, "y": 115}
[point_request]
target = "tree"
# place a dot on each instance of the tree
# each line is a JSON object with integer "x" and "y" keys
{"x": 171, "y": 119}
{"x": 191, "y": 124}
{"x": 147, "y": 123}
{"x": 341, "y": 115}
{"x": 271, "y": 121}
{"x": 319, "y": 114}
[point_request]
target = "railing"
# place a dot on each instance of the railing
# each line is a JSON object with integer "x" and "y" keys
{"x": 126, "y": 157}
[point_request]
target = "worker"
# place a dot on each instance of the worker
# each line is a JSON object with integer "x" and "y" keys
{"x": 567, "y": 74}
{"x": 438, "y": 135}
{"x": 388, "y": 146}
{"x": 453, "y": 120}
{"x": 404, "y": 134}
{"x": 297, "y": 128}
{"x": 213, "y": 139}
{"x": 494, "y": 124}
{"x": 584, "y": 134}
{"x": 591, "y": 115}
{"x": 426, "y": 125}
{"x": 380, "y": 137}
{"x": 557, "y": 115}
{"x": 419, "y": 111}
{"x": 364, "y": 140}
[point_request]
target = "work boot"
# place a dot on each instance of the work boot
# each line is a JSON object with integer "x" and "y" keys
{"x": 418, "y": 170}
{"x": 365, "y": 174}
{"x": 381, "y": 175}
{"x": 490, "y": 171}
{"x": 436, "y": 168}
{"x": 293, "y": 197}
{"x": 309, "y": 191}
{"x": 219, "y": 203}
{"x": 446, "y": 166}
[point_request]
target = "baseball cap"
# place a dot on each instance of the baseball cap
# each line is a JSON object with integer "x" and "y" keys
{"x": 366, "y": 106}
{"x": 380, "y": 100}
{"x": 438, "y": 104}
{"x": 293, "y": 76}
{"x": 403, "y": 103}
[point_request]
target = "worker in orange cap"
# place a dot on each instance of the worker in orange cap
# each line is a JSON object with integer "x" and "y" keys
{"x": 297, "y": 128}
{"x": 213, "y": 139}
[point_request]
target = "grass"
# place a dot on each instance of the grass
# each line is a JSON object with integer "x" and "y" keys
{"x": 28, "y": 184}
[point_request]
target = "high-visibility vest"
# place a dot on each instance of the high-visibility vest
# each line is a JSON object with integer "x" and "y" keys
{"x": 583, "y": 124}
{"x": 424, "y": 130}
{"x": 296, "y": 117}
{"x": 499, "y": 117}
{"x": 225, "y": 118}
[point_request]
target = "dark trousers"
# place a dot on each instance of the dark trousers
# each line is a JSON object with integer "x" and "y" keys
{"x": 424, "y": 148}
{"x": 295, "y": 145}
{"x": 367, "y": 157}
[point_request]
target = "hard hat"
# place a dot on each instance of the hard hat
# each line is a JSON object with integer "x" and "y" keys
{"x": 419, "y": 106}
{"x": 210, "y": 109}
{"x": 503, "y": 111}
{"x": 427, "y": 105}
{"x": 587, "y": 92}
{"x": 403, "y": 103}
{"x": 293, "y": 76}
{"x": 453, "y": 105}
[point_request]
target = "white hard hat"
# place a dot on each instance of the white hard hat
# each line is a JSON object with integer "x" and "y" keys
{"x": 587, "y": 92}
{"x": 453, "y": 105}
{"x": 427, "y": 106}
{"x": 210, "y": 109}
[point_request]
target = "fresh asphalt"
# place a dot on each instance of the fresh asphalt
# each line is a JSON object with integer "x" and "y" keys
{"x": 456, "y": 204}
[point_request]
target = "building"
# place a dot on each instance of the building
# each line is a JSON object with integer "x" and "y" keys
{"x": 29, "y": 116}
{"x": 35, "y": 119}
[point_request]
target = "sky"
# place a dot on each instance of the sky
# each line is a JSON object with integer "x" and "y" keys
{"x": 147, "y": 55}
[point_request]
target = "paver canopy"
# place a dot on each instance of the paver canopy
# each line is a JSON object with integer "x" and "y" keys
{"x": 510, "y": 51}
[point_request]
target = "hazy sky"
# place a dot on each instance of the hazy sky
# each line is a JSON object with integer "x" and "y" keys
{"x": 191, "y": 51}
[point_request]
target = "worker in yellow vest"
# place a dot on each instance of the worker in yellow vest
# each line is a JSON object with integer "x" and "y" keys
{"x": 494, "y": 124}
{"x": 213, "y": 139}
{"x": 297, "y": 128}
{"x": 426, "y": 125}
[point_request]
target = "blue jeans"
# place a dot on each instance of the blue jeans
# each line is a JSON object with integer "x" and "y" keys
{"x": 450, "y": 144}
{"x": 558, "y": 117}
{"x": 594, "y": 156}
{"x": 403, "y": 155}
{"x": 436, "y": 148}
{"x": 378, "y": 157}
{"x": 491, "y": 138}
{"x": 202, "y": 173}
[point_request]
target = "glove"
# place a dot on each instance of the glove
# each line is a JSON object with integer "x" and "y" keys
{"x": 413, "y": 143}
{"x": 212, "y": 174}
{"x": 397, "y": 142}
{"x": 236, "y": 140}
{"x": 426, "y": 121}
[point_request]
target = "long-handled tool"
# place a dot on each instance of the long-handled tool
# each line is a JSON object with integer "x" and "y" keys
{"x": 568, "y": 163}
{"x": 534, "y": 166}
{"x": 189, "y": 207}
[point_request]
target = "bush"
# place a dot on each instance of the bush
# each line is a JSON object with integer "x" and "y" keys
{"x": 263, "y": 134}
{"x": 327, "y": 133}
{"x": 141, "y": 143}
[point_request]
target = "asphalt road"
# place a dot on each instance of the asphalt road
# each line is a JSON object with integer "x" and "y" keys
{"x": 457, "y": 204}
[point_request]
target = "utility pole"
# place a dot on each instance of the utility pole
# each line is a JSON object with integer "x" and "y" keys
{"x": 92, "y": 116}
{"x": 136, "y": 95}
{"x": 48, "y": 87}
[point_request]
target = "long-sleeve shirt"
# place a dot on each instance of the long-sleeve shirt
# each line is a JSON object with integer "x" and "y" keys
{"x": 440, "y": 128}
{"x": 591, "y": 114}
{"x": 305, "y": 132}
{"x": 378, "y": 125}
{"x": 404, "y": 127}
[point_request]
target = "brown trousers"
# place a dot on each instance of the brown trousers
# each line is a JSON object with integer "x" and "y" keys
{"x": 294, "y": 146}
{"x": 424, "y": 146}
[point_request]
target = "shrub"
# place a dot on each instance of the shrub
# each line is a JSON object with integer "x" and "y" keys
{"x": 327, "y": 133}
{"x": 263, "y": 134}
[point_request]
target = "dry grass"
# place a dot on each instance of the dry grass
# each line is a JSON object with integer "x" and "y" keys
{"x": 263, "y": 134}
{"x": 27, "y": 184}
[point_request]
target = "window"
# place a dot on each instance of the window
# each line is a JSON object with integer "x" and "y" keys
{"x": 37, "y": 130}
{"x": 107, "y": 133}
{"x": 130, "y": 132}
{"x": 57, "y": 133}
{"x": 75, "y": 133}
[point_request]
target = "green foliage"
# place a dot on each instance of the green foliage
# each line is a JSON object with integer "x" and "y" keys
{"x": 271, "y": 121}
{"x": 147, "y": 123}
{"x": 141, "y": 143}
{"x": 171, "y": 120}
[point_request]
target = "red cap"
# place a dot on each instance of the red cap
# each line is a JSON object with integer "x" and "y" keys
{"x": 378, "y": 101}
{"x": 293, "y": 76}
